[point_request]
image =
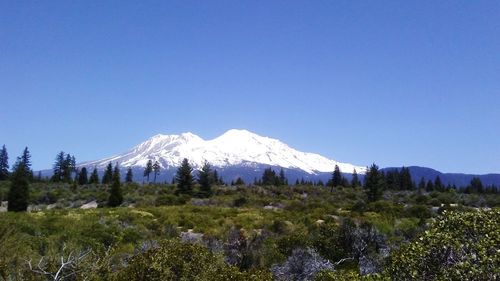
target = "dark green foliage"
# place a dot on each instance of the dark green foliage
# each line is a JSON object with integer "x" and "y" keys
{"x": 438, "y": 184}
{"x": 64, "y": 167}
{"x": 336, "y": 177}
{"x": 355, "y": 180}
{"x": 83, "y": 177}
{"x": 205, "y": 179}
{"x": 458, "y": 246}
{"x": 115, "y": 194}
{"x": 156, "y": 170}
{"x": 475, "y": 186}
{"x": 25, "y": 161}
{"x": 421, "y": 184}
{"x": 174, "y": 260}
{"x": 184, "y": 178}
{"x": 18, "y": 195}
{"x": 269, "y": 177}
{"x": 4, "y": 164}
{"x": 430, "y": 186}
{"x": 129, "y": 177}
{"x": 94, "y": 177}
{"x": 108, "y": 174}
{"x": 239, "y": 181}
{"x": 374, "y": 183}
{"x": 406, "y": 182}
{"x": 282, "y": 178}
{"x": 148, "y": 169}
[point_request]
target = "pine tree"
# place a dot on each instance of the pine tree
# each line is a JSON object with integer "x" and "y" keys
{"x": 19, "y": 188}
{"x": 282, "y": 178}
{"x": 374, "y": 183}
{"x": 156, "y": 170}
{"x": 184, "y": 178}
{"x": 83, "y": 177}
{"x": 148, "y": 169}
{"x": 25, "y": 160}
{"x": 216, "y": 177}
{"x": 269, "y": 177}
{"x": 239, "y": 181}
{"x": 67, "y": 169}
{"x": 336, "y": 178}
{"x": 476, "y": 185}
{"x": 108, "y": 174}
{"x": 205, "y": 180}
{"x": 115, "y": 194}
{"x": 94, "y": 177}
{"x": 129, "y": 177}
{"x": 421, "y": 184}
{"x": 355, "y": 179}
{"x": 58, "y": 167}
{"x": 438, "y": 184}
{"x": 4, "y": 164}
{"x": 406, "y": 183}
{"x": 430, "y": 186}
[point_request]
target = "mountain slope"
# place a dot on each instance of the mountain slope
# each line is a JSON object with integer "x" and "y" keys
{"x": 233, "y": 148}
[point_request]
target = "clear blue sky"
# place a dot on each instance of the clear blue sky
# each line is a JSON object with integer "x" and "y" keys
{"x": 392, "y": 82}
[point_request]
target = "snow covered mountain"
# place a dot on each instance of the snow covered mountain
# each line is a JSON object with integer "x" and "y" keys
{"x": 234, "y": 148}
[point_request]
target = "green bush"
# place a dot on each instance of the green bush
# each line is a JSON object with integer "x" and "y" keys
{"x": 174, "y": 260}
{"x": 458, "y": 246}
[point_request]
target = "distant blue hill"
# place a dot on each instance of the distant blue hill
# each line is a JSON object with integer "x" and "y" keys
{"x": 458, "y": 179}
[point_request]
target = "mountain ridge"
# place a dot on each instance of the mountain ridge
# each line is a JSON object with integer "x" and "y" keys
{"x": 232, "y": 148}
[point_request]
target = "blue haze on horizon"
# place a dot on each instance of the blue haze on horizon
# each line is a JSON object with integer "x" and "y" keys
{"x": 391, "y": 82}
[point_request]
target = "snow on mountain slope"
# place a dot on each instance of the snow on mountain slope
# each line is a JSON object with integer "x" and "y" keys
{"x": 233, "y": 148}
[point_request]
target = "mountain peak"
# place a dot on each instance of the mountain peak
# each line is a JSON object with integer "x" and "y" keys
{"x": 233, "y": 148}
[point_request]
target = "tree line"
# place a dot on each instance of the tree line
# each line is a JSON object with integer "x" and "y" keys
{"x": 66, "y": 171}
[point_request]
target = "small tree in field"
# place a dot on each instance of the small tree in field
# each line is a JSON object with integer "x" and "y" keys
{"x": 115, "y": 194}
{"x": 19, "y": 188}
{"x": 156, "y": 170}
{"x": 129, "y": 177}
{"x": 148, "y": 169}
{"x": 4, "y": 164}
{"x": 374, "y": 183}
{"x": 205, "y": 179}
{"x": 336, "y": 178}
{"x": 184, "y": 178}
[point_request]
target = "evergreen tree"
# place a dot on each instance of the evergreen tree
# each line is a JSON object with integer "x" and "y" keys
{"x": 115, "y": 194}
{"x": 476, "y": 185}
{"x": 320, "y": 183}
{"x": 205, "y": 179}
{"x": 297, "y": 182}
{"x": 68, "y": 168}
{"x": 406, "y": 182}
{"x": 58, "y": 167}
{"x": 421, "y": 184}
{"x": 430, "y": 186}
{"x": 83, "y": 177}
{"x": 156, "y": 170}
{"x": 129, "y": 176}
{"x": 269, "y": 177}
{"x": 355, "y": 179}
{"x": 438, "y": 184}
{"x": 216, "y": 177}
{"x": 4, "y": 164}
{"x": 94, "y": 177}
{"x": 282, "y": 178}
{"x": 374, "y": 183}
{"x": 336, "y": 178}
{"x": 19, "y": 187}
{"x": 108, "y": 174}
{"x": 184, "y": 178}
{"x": 148, "y": 169}
{"x": 239, "y": 181}
{"x": 25, "y": 160}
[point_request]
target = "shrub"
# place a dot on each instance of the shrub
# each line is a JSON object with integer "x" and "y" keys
{"x": 179, "y": 261}
{"x": 458, "y": 246}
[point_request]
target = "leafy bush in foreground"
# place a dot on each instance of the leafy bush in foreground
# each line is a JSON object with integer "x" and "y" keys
{"x": 458, "y": 246}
